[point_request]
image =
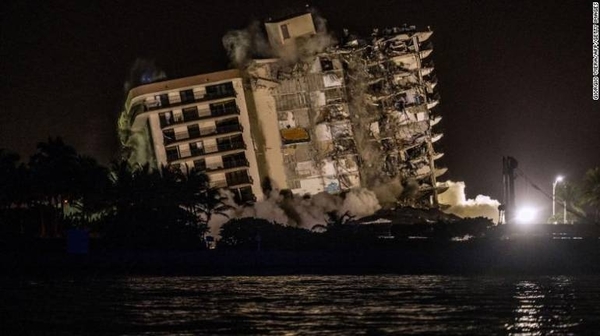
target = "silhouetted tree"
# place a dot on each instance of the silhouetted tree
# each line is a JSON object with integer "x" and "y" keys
{"x": 591, "y": 191}
{"x": 254, "y": 233}
{"x": 154, "y": 207}
{"x": 53, "y": 167}
{"x": 570, "y": 195}
{"x": 91, "y": 189}
{"x": 10, "y": 179}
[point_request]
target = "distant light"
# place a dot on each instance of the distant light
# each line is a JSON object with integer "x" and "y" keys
{"x": 559, "y": 179}
{"x": 526, "y": 215}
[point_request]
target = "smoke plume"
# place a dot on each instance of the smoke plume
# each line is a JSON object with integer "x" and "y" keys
{"x": 300, "y": 211}
{"x": 481, "y": 206}
{"x": 143, "y": 71}
{"x": 244, "y": 44}
{"x": 135, "y": 145}
{"x": 249, "y": 43}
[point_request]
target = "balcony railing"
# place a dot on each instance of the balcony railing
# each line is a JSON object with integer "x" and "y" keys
{"x": 211, "y": 150}
{"x": 239, "y": 180}
{"x": 244, "y": 198}
{"x": 229, "y": 165}
{"x": 179, "y": 102}
{"x": 231, "y": 182}
{"x": 200, "y": 114}
{"x": 218, "y": 184}
{"x": 235, "y": 163}
{"x": 202, "y": 132}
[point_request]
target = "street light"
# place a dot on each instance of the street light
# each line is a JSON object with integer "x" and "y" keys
{"x": 557, "y": 181}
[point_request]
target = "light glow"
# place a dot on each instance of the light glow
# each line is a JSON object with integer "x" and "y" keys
{"x": 526, "y": 215}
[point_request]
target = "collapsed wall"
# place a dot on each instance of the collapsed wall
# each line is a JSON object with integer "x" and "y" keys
{"x": 353, "y": 114}
{"x": 393, "y": 99}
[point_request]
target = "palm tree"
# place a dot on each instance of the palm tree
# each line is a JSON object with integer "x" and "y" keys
{"x": 206, "y": 200}
{"x": 14, "y": 192}
{"x": 9, "y": 167}
{"x": 154, "y": 204}
{"x": 570, "y": 195}
{"x": 92, "y": 185}
{"x": 53, "y": 170}
{"x": 591, "y": 191}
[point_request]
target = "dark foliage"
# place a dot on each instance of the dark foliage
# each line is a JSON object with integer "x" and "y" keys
{"x": 255, "y": 233}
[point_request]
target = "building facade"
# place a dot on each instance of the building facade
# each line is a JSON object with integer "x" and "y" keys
{"x": 320, "y": 117}
{"x": 199, "y": 122}
{"x": 360, "y": 113}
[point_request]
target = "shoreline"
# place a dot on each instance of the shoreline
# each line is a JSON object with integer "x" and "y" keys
{"x": 480, "y": 257}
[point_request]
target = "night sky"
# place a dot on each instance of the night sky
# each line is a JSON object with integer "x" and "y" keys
{"x": 515, "y": 78}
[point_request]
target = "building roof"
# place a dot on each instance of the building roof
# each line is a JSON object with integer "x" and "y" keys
{"x": 183, "y": 82}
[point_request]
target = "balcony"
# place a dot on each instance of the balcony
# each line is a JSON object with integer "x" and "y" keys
{"x": 201, "y": 133}
{"x": 243, "y": 195}
{"x": 231, "y": 181}
{"x": 196, "y": 99}
{"x": 221, "y": 148}
{"x": 195, "y": 114}
{"x": 231, "y": 164}
{"x": 239, "y": 180}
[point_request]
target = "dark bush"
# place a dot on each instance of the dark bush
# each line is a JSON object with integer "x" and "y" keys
{"x": 250, "y": 233}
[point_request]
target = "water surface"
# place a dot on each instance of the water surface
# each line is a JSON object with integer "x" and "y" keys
{"x": 303, "y": 305}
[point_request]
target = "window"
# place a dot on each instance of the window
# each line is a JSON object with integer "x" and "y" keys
{"x": 169, "y": 135}
{"x": 235, "y": 160}
{"x": 285, "y": 32}
{"x": 220, "y": 90}
{"x": 163, "y": 100}
{"x": 187, "y": 96}
{"x": 244, "y": 194}
{"x": 237, "y": 177}
{"x": 229, "y": 143}
{"x": 228, "y": 125}
{"x": 218, "y": 109}
{"x": 200, "y": 165}
{"x": 190, "y": 113}
{"x": 172, "y": 153}
{"x": 196, "y": 148}
{"x": 166, "y": 118}
{"x": 194, "y": 131}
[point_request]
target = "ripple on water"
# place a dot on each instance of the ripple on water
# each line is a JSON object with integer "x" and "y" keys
{"x": 304, "y": 305}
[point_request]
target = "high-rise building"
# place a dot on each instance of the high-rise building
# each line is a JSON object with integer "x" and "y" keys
{"x": 198, "y": 122}
{"x": 319, "y": 117}
{"x": 359, "y": 113}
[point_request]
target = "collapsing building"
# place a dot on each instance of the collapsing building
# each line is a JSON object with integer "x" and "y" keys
{"x": 198, "y": 122}
{"x": 349, "y": 115}
{"x": 318, "y": 117}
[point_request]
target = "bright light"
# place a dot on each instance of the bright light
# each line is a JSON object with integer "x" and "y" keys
{"x": 559, "y": 179}
{"x": 526, "y": 215}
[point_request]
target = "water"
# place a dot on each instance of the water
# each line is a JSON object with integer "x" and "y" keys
{"x": 303, "y": 305}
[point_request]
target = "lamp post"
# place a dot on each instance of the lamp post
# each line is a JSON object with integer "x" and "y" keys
{"x": 557, "y": 181}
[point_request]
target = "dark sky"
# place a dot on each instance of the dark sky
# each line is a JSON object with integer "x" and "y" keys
{"x": 515, "y": 77}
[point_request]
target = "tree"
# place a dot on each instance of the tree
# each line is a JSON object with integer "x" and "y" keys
{"x": 91, "y": 188}
{"x": 570, "y": 195}
{"x": 53, "y": 170}
{"x": 154, "y": 207}
{"x": 591, "y": 191}
{"x": 207, "y": 201}
{"x": 10, "y": 175}
{"x": 14, "y": 195}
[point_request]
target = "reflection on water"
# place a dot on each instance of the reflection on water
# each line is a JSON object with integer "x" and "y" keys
{"x": 545, "y": 306}
{"x": 303, "y": 305}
